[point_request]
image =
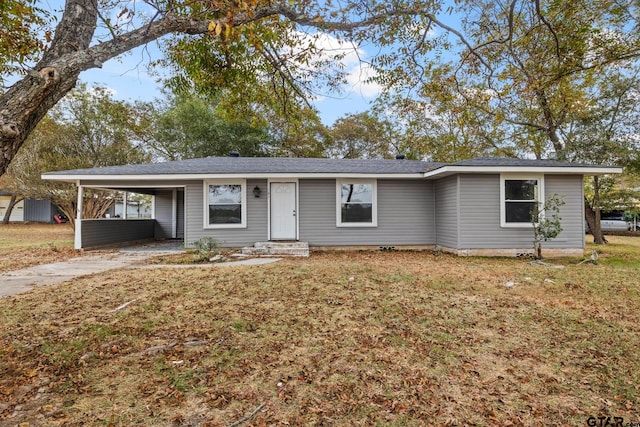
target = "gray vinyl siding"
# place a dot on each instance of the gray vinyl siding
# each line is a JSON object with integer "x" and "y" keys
{"x": 460, "y": 212}
{"x": 480, "y": 214}
{"x": 256, "y": 230}
{"x": 405, "y": 215}
{"x": 163, "y": 205}
{"x": 570, "y": 188}
{"x": 447, "y": 202}
{"x": 164, "y": 214}
{"x": 100, "y": 232}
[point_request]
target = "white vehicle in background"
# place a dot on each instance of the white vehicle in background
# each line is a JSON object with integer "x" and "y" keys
{"x": 616, "y": 221}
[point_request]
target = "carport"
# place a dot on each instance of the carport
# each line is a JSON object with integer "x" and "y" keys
{"x": 167, "y": 220}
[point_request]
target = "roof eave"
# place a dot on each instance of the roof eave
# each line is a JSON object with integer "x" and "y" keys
{"x": 164, "y": 177}
{"x": 559, "y": 170}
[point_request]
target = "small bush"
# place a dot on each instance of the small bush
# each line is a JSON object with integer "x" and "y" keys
{"x": 207, "y": 248}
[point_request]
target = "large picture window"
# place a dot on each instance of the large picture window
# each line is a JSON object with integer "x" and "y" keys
{"x": 225, "y": 204}
{"x": 520, "y": 199}
{"x": 357, "y": 203}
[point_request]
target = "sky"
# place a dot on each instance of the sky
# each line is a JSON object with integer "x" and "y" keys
{"x": 128, "y": 79}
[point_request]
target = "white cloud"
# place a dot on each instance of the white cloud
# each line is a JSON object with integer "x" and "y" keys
{"x": 329, "y": 47}
{"x": 346, "y": 56}
{"x": 98, "y": 89}
{"x": 358, "y": 79}
{"x": 418, "y": 29}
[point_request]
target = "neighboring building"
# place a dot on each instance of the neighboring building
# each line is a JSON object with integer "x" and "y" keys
{"x": 28, "y": 210}
{"x": 135, "y": 210}
{"x": 478, "y": 206}
{"x": 17, "y": 214}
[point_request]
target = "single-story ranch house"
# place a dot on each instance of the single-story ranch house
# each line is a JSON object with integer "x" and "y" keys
{"x": 473, "y": 207}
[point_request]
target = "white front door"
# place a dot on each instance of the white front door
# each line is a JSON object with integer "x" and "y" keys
{"x": 283, "y": 211}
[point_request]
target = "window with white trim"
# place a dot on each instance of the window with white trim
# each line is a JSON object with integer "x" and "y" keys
{"x": 225, "y": 204}
{"x": 520, "y": 197}
{"x": 356, "y": 203}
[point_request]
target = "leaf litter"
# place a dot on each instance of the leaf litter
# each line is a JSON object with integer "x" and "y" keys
{"x": 393, "y": 338}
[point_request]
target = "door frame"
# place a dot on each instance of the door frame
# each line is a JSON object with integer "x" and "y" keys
{"x": 297, "y": 193}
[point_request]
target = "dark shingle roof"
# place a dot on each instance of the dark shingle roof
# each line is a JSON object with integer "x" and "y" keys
{"x": 502, "y": 161}
{"x": 291, "y": 165}
{"x": 239, "y": 165}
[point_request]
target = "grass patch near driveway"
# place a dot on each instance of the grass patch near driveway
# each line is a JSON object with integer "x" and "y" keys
{"x": 384, "y": 338}
{"x": 26, "y": 245}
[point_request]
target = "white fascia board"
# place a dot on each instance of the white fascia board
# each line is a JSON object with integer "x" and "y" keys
{"x": 563, "y": 170}
{"x": 163, "y": 177}
{"x": 124, "y": 187}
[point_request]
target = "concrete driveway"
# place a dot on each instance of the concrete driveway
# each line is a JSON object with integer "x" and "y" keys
{"x": 18, "y": 281}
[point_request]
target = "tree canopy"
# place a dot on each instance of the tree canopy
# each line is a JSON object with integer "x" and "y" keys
{"x": 534, "y": 78}
{"x": 87, "y": 129}
{"x": 190, "y": 126}
{"x": 20, "y": 41}
{"x": 256, "y": 38}
{"x": 526, "y": 71}
{"x": 363, "y": 136}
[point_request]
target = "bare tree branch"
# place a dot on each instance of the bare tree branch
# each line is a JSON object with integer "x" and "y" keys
{"x": 248, "y": 417}
{"x": 461, "y": 37}
{"x": 548, "y": 25}
{"x": 279, "y": 64}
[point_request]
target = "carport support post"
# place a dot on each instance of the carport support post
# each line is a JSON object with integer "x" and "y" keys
{"x": 78, "y": 236}
{"x": 125, "y": 202}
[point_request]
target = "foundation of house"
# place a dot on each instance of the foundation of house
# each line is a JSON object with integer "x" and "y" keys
{"x": 278, "y": 248}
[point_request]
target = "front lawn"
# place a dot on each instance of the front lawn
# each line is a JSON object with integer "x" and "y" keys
{"x": 383, "y": 338}
{"x": 25, "y": 245}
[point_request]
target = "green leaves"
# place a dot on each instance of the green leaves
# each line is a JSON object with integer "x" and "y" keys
{"x": 363, "y": 136}
{"x": 86, "y": 129}
{"x": 190, "y": 126}
{"x": 546, "y": 222}
{"x": 23, "y": 34}
{"x": 526, "y": 73}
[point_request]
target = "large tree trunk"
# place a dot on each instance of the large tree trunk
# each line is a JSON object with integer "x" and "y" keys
{"x": 70, "y": 53}
{"x": 12, "y": 204}
{"x": 592, "y": 214}
{"x": 551, "y": 127}
{"x": 27, "y": 101}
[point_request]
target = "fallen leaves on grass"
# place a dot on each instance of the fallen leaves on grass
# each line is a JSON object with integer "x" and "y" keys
{"x": 26, "y": 245}
{"x": 398, "y": 338}
{"x": 24, "y": 258}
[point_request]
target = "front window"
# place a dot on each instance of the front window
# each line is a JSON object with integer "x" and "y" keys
{"x": 521, "y": 197}
{"x": 225, "y": 205}
{"x": 356, "y": 203}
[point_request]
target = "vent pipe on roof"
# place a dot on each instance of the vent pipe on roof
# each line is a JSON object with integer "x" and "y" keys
{"x": 234, "y": 154}
{"x": 399, "y": 156}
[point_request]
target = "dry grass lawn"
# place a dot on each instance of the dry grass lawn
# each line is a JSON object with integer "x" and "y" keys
{"x": 25, "y": 245}
{"x": 385, "y": 338}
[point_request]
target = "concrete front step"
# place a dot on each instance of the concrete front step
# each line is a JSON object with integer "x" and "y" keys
{"x": 278, "y": 248}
